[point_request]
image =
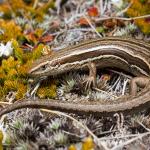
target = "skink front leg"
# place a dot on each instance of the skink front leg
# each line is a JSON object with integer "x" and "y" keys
{"x": 138, "y": 82}
{"x": 91, "y": 79}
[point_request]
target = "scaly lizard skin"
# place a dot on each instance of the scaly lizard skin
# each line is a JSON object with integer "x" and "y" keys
{"x": 125, "y": 53}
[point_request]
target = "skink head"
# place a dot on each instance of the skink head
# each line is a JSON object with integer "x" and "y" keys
{"x": 45, "y": 66}
{"x": 38, "y": 70}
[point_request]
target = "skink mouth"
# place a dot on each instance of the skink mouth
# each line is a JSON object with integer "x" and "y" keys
{"x": 32, "y": 81}
{"x": 37, "y": 68}
{"x": 37, "y": 71}
{"x": 34, "y": 74}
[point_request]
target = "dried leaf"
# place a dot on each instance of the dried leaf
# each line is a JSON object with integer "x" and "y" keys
{"x": 109, "y": 23}
{"x": 83, "y": 21}
{"x": 93, "y": 12}
{"x": 46, "y": 38}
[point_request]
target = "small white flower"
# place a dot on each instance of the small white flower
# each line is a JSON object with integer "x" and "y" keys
{"x": 1, "y": 32}
{"x": 6, "y": 50}
{"x": 117, "y": 3}
{"x": 1, "y": 14}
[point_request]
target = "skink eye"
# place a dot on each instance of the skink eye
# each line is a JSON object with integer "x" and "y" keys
{"x": 43, "y": 67}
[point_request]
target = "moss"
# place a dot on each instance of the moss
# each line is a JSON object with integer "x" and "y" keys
{"x": 37, "y": 52}
{"x": 40, "y": 12}
{"x": 14, "y": 72}
{"x": 1, "y": 92}
{"x": 20, "y": 8}
{"x": 47, "y": 89}
{"x": 5, "y": 9}
{"x": 1, "y": 139}
{"x": 28, "y": 2}
{"x": 21, "y": 91}
{"x": 39, "y": 32}
{"x": 10, "y": 71}
{"x": 23, "y": 70}
{"x": 9, "y": 64}
{"x": 18, "y": 52}
{"x": 15, "y": 86}
{"x": 11, "y": 30}
{"x": 140, "y": 8}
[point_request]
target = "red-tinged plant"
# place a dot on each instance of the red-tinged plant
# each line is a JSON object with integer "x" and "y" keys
{"x": 83, "y": 22}
{"x": 93, "y": 12}
{"x": 46, "y": 38}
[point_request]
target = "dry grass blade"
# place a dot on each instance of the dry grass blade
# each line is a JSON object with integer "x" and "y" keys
{"x": 123, "y": 18}
{"x": 140, "y": 136}
{"x": 91, "y": 25}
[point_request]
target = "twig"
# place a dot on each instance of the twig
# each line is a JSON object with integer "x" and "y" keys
{"x": 65, "y": 115}
{"x": 119, "y": 125}
{"x": 4, "y": 116}
{"x": 118, "y": 137}
{"x": 91, "y": 25}
{"x": 106, "y": 132}
{"x": 105, "y": 6}
{"x": 101, "y": 8}
{"x": 116, "y": 82}
{"x": 109, "y": 94}
{"x": 121, "y": 73}
{"x": 72, "y": 134}
{"x": 29, "y": 46}
{"x": 72, "y": 18}
{"x": 124, "y": 86}
{"x": 118, "y": 86}
{"x": 130, "y": 141}
{"x": 5, "y": 103}
{"x": 143, "y": 126}
{"x": 35, "y": 88}
{"x": 121, "y": 120}
{"x": 35, "y": 4}
{"x": 57, "y": 4}
{"x": 124, "y": 10}
{"x": 73, "y": 30}
{"x": 123, "y": 18}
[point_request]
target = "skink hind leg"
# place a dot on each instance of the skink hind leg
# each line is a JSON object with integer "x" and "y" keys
{"x": 91, "y": 79}
{"x": 138, "y": 82}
